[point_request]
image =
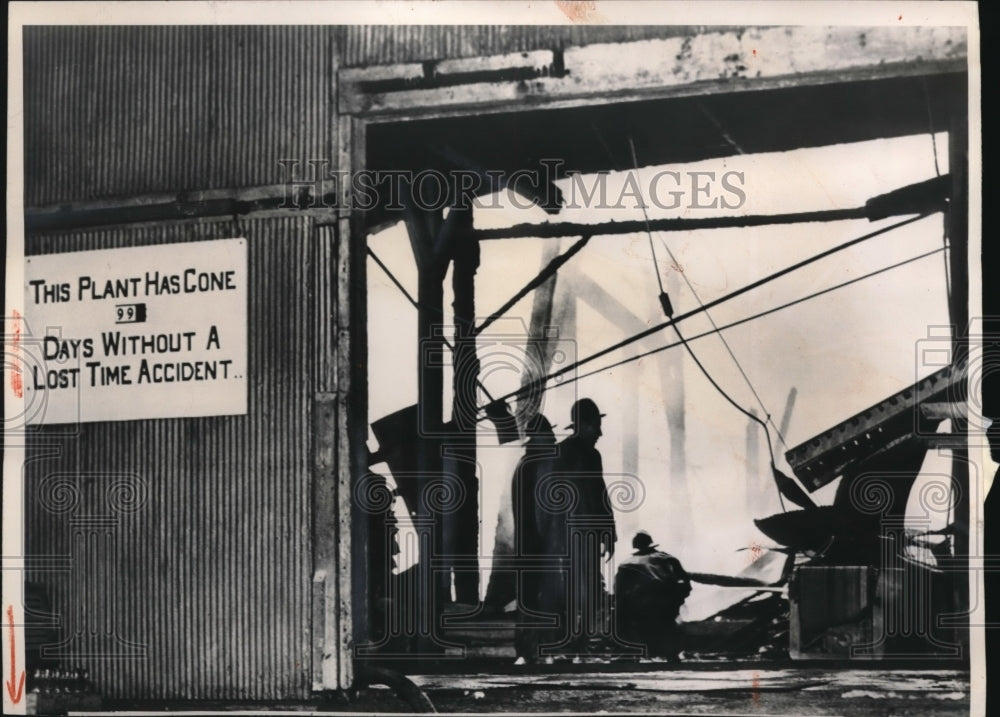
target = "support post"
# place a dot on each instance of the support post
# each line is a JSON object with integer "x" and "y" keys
{"x": 958, "y": 237}
{"x": 423, "y": 227}
{"x": 464, "y": 535}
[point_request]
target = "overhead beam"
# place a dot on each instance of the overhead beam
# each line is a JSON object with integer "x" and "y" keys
{"x": 558, "y": 230}
{"x": 921, "y": 197}
{"x": 698, "y": 64}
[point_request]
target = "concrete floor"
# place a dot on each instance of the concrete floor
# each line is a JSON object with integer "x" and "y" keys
{"x": 649, "y": 688}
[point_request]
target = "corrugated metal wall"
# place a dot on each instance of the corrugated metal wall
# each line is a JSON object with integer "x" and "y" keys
{"x": 120, "y": 111}
{"x": 114, "y": 112}
{"x": 191, "y": 538}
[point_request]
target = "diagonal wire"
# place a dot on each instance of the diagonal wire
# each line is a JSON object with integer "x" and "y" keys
{"x": 544, "y": 275}
{"x": 745, "y": 320}
{"x": 416, "y": 305}
{"x": 393, "y": 279}
{"x": 694, "y": 293}
{"x": 656, "y": 264}
{"x": 722, "y": 130}
{"x": 752, "y": 317}
{"x": 715, "y": 302}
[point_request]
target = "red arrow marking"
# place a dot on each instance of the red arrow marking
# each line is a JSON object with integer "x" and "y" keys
{"x": 15, "y": 695}
{"x": 16, "y": 382}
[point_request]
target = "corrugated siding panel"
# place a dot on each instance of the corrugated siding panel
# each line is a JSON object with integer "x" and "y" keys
{"x": 199, "y": 586}
{"x": 120, "y": 111}
{"x": 384, "y": 44}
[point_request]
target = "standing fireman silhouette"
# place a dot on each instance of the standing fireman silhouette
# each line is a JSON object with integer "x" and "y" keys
{"x": 537, "y": 590}
{"x": 591, "y": 526}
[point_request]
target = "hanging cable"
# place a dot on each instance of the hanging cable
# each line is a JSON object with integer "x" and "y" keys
{"x": 652, "y": 251}
{"x": 947, "y": 265}
{"x": 729, "y": 350}
{"x": 694, "y": 357}
{"x": 690, "y": 286}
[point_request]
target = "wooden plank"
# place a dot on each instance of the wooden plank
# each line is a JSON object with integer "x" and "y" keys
{"x": 350, "y": 76}
{"x": 414, "y": 71}
{"x": 694, "y": 682}
{"x": 327, "y": 413}
{"x": 351, "y": 424}
{"x": 953, "y": 441}
{"x": 324, "y": 506}
{"x": 536, "y": 59}
{"x": 920, "y": 197}
{"x": 705, "y": 63}
{"x": 958, "y": 232}
{"x": 318, "y": 625}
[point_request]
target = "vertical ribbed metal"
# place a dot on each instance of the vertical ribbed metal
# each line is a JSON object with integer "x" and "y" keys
{"x": 384, "y": 44}
{"x": 120, "y": 111}
{"x": 191, "y": 538}
{"x": 325, "y": 334}
{"x": 126, "y": 110}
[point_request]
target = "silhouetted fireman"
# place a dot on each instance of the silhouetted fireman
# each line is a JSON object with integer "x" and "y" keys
{"x": 649, "y": 590}
{"x": 532, "y": 531}
{"x": 591, "y": 524}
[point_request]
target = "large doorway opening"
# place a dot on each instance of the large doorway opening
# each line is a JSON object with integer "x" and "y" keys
{"x": 799, "y": 303}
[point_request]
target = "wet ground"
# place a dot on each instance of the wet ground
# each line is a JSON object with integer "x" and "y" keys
{"x": 811, "y": 691}
{"x": 744, "y": 689}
